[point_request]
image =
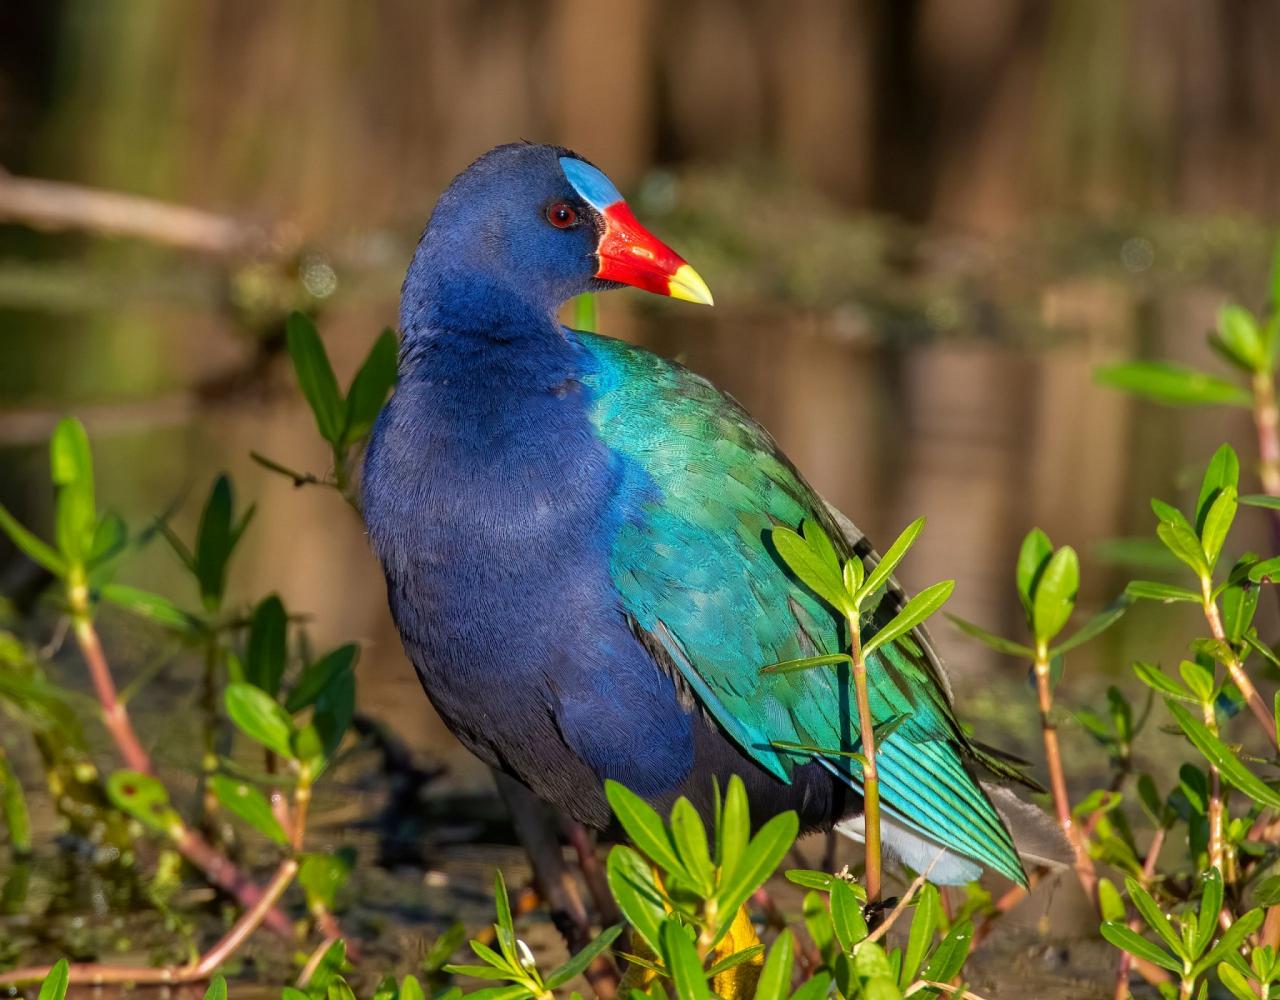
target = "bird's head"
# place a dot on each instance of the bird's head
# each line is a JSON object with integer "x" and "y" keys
{"x": 544, "y": 221}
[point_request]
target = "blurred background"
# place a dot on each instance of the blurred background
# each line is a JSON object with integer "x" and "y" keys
{"x": 924, "y": 223}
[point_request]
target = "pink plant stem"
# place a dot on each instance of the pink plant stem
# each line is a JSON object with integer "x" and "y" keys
{"x": 93, "y": 974}
{"x": 1085, "y": 872}
{"x": 1151, "y": 973}
{"x": 216, "y": 866}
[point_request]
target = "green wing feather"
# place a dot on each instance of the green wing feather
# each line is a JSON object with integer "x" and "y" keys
{"x": 692, "y": 563}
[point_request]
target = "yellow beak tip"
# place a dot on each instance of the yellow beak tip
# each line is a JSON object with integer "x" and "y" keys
{"x": 687, "y": 285}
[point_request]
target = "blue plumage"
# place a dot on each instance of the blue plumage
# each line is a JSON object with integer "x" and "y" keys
{"x": 575, "y": 539}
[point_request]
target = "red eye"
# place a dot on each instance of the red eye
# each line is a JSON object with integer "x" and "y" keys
{"x": 561, "y": 216}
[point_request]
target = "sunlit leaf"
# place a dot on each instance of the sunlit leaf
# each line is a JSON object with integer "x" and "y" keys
{"x": 1033, "y": 557}
{"x": 54, "y": 986}
{"x": 1222, "y": 757}
{"x": 632, "y": 886}
{"x": 913, "y": 613}
{"x": 1176, "y": 385}
{"x": 806, "y": 663}
{"x": 810, "y": 568}
{"x": 30, "y": 545}
{"x": 144, "y": 798}
{"x": 1136, "y": 945}
{"x": 259, "y": 717}
{"x": 1095, "y": 626}
{"x": 762, "y": 856}
{"x": 682, "y": 963}
{"x": 578, "y": 963}
{"x": 245, "y": 801}
{"x": 1153, "y": 590}
{"x": 894, "y": 555}
{"x": 996, "y": 642}
{"x": 1055, "y": 594}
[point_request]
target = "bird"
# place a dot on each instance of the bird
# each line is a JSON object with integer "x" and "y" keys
{"x": 575, "y": 536}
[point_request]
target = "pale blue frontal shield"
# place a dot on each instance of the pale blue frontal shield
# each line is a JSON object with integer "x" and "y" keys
{"x": 593, "y": 186}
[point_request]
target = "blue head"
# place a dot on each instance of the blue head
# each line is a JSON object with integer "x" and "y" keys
{"x": 538, "y": 225}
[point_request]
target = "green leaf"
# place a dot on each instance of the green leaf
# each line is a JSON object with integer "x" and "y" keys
{"x": 949, "y": 957}
{"x": 1260, "y": 500}
{"x": 996, "y": 642}
{"x": 1198, "y": 679}
{"x": 259, "y": 717}
{"x": 315, "y": 377}
{"x": 443, "y": 947}
{"x": 811, "y": 569}
{"x": 912, "y": 614}
{"x": 817, "y": 919}
{"x": 1095, "y": 626}
{"x": 584, "y": 314}
{"x": 369, "y": 388}
{"x": 147, "y": 605}
{"x": 1220, "y": 756}
{"x": 1239, "y": 604}
{"x": 814, "y": 989}
{"x": 846, "y": 916}
{"x": 682, "y": 963}
{"x": 213, "y": 543}
{"x": 806, "y": 663}
{"x": 735, "y": 828}
{"x": 1175, "y": 385}
{"x": 578, "y": 964}
{"x": 144, "y": 798}
{"x": 1234, "y": 981}
{"x": 410, "y": 988}
{"x": 265, "y": 657}
{"x": 243, "y": 800}
{"x": 1153, "y": 590}
{"x": 13, "y": 807}
{"x": 820, "y": 542}
{"x": 1232, "y": 938}
{"x": 1156, "y": 919}
{"x": 632, "y": 886}
{"x": 1210, "y": 906}
{"x": 644, "y": 826}
{"x": 889, "y": 561}
{"x": 55, "y": 983}
{"x": 1217, "y": 523}
{"x": 318, "y": 676}
{"x": 322, "y": 876}
{"x": 690, "y": 838}
{"x": 109, "y": 539}
{"x": 335, "y": 709}
{"x": 1266, "y": 570}
{"x": 71, "y": 466}
{"x": 810, "y": 879}
{"x": 30, "y": 545}
{"x": 1110, "y": 905}
{"x": 1239, "y": 339}
{"x": 1156, "y": 679}
{"x": 1055, "y": 596}
{"x": 217, "y": 989}
{"x": 1135, "y": 944}
{"x": 763, "y": 855}
{"x": 775, "y": 978}
{"x": 924, "y": 922}
{"x": 1182, "y": 542}
{"x": 1033, "y": 557}
{"x": 1222, "y": 471}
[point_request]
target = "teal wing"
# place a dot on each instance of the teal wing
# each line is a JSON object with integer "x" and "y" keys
{"x": 704, "y": 485}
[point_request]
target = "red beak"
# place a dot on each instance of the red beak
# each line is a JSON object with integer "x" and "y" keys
{"x": 631, "y": 255}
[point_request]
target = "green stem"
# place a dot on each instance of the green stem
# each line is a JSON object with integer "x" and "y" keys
{"x": 870, "y": 773}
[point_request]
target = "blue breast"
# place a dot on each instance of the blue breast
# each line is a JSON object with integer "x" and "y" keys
{"x": 493, "y": 505}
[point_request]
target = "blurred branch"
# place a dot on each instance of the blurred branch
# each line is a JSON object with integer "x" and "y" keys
{"x": 57, "y": 206}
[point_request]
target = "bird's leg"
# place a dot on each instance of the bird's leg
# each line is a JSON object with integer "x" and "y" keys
{"x": 537, "y": 832}
{"x": 739, "y": 982}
